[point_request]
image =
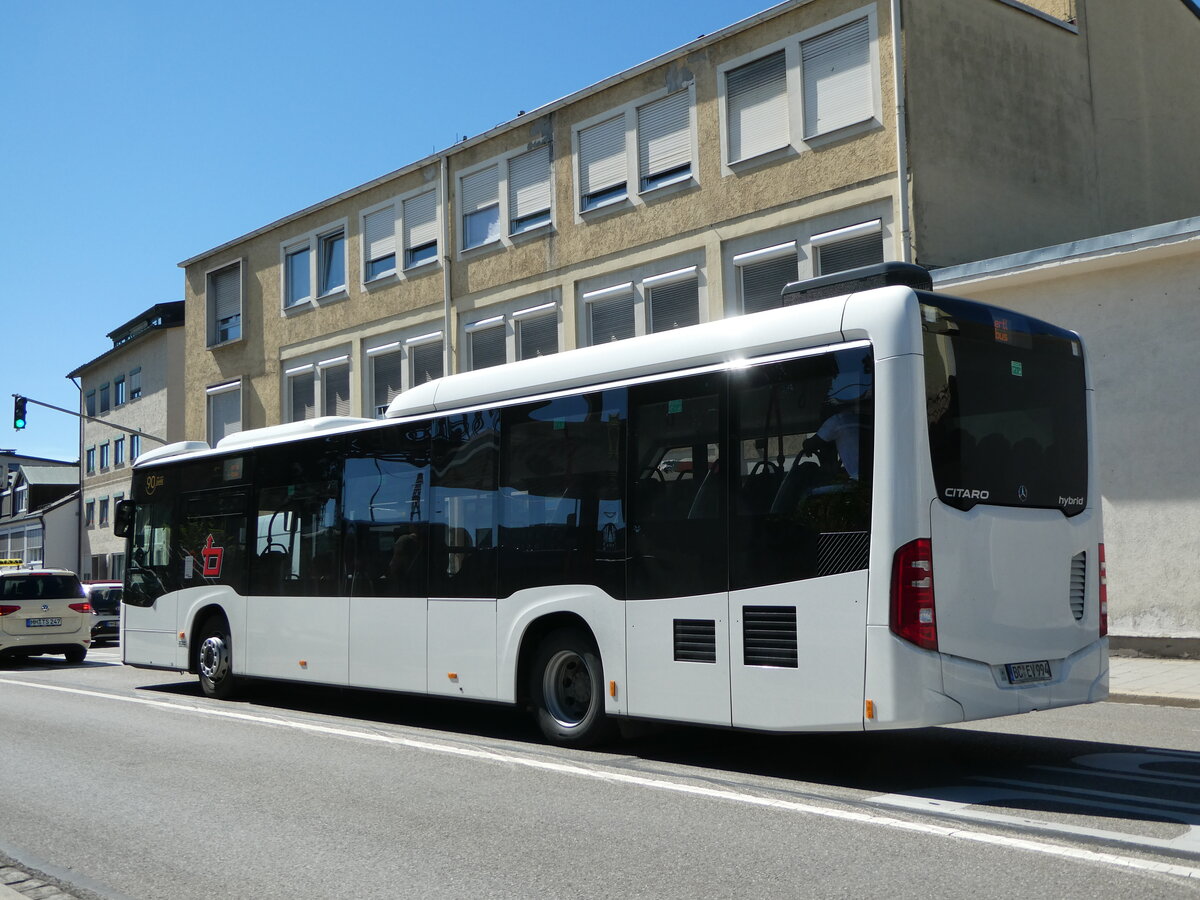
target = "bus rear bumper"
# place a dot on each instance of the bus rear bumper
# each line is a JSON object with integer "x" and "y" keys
{"x": 984, "y": 691}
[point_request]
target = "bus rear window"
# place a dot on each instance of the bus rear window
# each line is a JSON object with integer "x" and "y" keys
{"x": 1007, "y": 408}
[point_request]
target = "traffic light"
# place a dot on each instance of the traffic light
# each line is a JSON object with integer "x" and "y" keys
{"x": 19, "y": 413}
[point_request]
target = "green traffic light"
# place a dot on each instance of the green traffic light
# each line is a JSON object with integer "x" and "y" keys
{"x": 19, "y": 413}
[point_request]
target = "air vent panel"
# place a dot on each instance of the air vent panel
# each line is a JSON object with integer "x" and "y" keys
{"x": 769, "y": 636}
{"x": 1078, "y": 584}
{"x": 695, "y": 640}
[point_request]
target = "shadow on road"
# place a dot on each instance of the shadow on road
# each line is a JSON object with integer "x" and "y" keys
{"x": 1105, "y": 785}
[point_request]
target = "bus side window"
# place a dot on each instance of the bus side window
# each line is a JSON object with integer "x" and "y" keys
{"x": 462, "y": 537}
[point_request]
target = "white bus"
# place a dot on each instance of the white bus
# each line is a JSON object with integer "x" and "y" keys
{"x": 869, "y": 511}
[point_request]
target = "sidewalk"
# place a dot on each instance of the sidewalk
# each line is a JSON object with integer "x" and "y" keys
{"x": 1166, "y": 682}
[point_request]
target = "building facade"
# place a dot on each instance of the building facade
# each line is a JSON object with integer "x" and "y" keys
{"x": 39, "y": 510}
{"x": 130, "y": 398}
{"x": 1135, "y": 299}
{"x": 815, "y": 136}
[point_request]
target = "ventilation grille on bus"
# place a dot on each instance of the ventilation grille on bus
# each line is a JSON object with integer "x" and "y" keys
{"x": 842, "y": 551}
{"x": 769, "y": 636}
{"x": 695, "y": 640}
{"x": 1078, "y": 583}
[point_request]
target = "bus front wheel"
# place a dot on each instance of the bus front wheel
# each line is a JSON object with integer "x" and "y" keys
{"x": 214, "y": 661}
{"x": 566, "y": 685}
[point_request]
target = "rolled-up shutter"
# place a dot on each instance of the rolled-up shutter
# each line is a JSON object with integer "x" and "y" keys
{"x": 602, "y": 156}
{"x": 837, "y": 78}
{"x": 420, "y": 220}
{"x": 529, "y": 187}
{"x": 664, "y": 138}
{"x": 756, "y": 106}
{"x": 379, "y": 233}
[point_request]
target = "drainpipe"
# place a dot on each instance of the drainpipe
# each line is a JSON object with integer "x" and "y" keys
{"x": 901, "y": 137}
{"x": 447, "y": 332}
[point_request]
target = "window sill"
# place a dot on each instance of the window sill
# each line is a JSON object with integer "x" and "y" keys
{"x": 481, "y": 249}
{"x": 669, "y": 189}
{"x": 422, "y": 268}
{"x": 605, "y": 209}
{"x": 332, "y": 297}
{"x": 381, "y": 281}
{"x": 854, "y": 129}
{"x": 741, "y": 166}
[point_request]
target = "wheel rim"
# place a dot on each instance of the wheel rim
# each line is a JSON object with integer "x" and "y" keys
{"x": 214, "y": 658}
{"x": 567, "y": 688}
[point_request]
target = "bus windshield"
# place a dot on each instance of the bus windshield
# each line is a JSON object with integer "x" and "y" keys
{"x": 1007, "y": 408}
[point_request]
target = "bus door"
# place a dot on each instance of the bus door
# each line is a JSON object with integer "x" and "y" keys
{"x": 800, "y": 498}
{"x": 385, "y": 511}
{"x": 297, "y": 614}
{"x": 677, "y": 611}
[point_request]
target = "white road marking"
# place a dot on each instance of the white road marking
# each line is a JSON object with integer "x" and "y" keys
{"x": 582, "y": 771}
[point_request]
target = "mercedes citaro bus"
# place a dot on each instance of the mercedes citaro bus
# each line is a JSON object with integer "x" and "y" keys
{"x": 874, "y": 507}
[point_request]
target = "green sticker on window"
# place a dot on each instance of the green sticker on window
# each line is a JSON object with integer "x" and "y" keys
{"x": 560, "y": 424}
{"x": 675, "y": 406}
{"x": 1016, "y": 369}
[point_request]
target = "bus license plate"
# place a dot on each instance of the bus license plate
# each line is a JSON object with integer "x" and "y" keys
{"x": 1028, "y": 672}
{"x": 49, "y": 621}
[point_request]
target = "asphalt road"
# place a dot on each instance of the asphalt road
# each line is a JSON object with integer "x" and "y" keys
{"x": 131, "y": 784}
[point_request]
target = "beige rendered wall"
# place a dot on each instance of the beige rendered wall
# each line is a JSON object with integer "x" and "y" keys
{"x": 1145, "y": 62}
{"x": 1139, "y": 314}
{"x": 1000, "y": 130}
{"x": 855, "y": 168}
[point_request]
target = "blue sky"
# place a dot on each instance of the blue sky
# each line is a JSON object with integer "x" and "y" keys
{"x": 139, "y": 134}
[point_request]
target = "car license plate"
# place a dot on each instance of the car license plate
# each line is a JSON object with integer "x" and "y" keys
{"x": 1028, "y": 672}
{"x": 48, "y": 621}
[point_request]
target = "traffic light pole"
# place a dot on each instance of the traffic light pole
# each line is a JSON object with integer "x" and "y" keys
{"x": 17, "y": 398}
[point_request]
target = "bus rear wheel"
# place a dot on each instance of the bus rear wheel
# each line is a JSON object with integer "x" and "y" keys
{"x": 214, "y": 661}
{"x": 566, "y": 686}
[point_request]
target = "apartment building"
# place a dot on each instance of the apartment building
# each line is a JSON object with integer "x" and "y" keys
{"x": 815, "y": 136}
{"x": 39, "y": 506}
{"x": 131, "y": 396}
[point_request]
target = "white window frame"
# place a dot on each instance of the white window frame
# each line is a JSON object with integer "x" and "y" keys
{"x": 402, "y": 237}
{"x": 635, "y": 194}
{"x": 402, "y": 343}
{"x": 806, "y": 237}
{"x": 506, "y": 236}
{"x": 319, "y": 367}
{"x": 797, "y": 141}
{"x": 639, "y": 283}
{"x": 509, "y": 315}
{"x": 313, "y": 242}
{"x": 365, "y": 254}
{"x": 212, "y": 331}
{"x": 218, "y": 390}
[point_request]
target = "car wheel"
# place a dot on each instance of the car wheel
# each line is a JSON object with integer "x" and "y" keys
{"x": 214, "y": 661}
{"x": 567, "y": 689}
{"x": 76, "y": 655}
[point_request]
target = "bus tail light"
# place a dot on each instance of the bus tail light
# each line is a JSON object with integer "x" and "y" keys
{"x": 913, "y": 615}
{"x": 1103, "y": 593}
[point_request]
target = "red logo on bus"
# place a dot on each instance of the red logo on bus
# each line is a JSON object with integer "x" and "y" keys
{"x": 212, "y": 559}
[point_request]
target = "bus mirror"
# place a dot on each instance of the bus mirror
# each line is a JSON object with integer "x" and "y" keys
{"x": 123, "y": 518}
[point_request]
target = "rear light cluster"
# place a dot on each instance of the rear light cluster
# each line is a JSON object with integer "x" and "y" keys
{"x": 81, "y": 607}
{"x": 913, "y": 617}
{"x": 1103, "y": 593}
{"x": 5, "y": 610}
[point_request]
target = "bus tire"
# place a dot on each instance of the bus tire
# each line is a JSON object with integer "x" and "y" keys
{"x": 214, "y": 660}
{"x": 566, "y": 687}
